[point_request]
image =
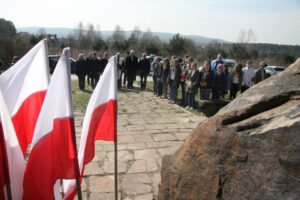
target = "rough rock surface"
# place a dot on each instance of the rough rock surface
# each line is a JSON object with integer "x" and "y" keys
{"x": 249, "y": 150}
{"x": 211, "y": 107}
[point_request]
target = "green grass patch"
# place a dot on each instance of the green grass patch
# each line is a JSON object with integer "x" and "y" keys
{"x": 81, "y": 98}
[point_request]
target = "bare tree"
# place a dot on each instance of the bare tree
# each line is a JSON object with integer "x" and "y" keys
{"x": 118, "y": 39}
{"x": 241, "y": 50}
{"x": 91, "y": 33}
{"x": 246, "y": 37}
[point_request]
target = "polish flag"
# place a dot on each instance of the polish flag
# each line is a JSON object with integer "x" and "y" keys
{"x": 15, "y": 160}
{"x": 24, "y": 87}
{"x": 2, "y": 163}
{"x": 99, "y": 122}
{"x": 52, "y": 156}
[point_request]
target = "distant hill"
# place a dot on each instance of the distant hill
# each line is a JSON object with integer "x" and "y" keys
{"x": 65, "y": 32}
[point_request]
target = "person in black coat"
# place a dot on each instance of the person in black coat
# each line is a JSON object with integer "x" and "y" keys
{"x": 219, "y": 82}
{"x": 131, "y": 65}
{"x": 159, "y": 77}
{"x": 144, "y": 68}
{"x": 88, "y": 62}
{"x": 95, "y": 63}
{"x": 81, "y": 71}
{"x": 261, "y": 73}
{"x": 164, "y": 78}
{"x": 206, "y": 80}
{"x": 103, "y": 63}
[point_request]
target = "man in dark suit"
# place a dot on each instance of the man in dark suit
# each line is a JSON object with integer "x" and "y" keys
{"x": 131, "y": 65}
{"x": 144, "y": 68}
{"x": 95, "y": 70}
{"x": 89, "y": 69}
{"x": 81, "y": 71}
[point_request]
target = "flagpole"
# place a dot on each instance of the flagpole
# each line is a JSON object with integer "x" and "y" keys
{"x": 116, "y": 170}
{"x": 116, "y": 154}
{"x": 78, "y": 184}
{"x": 6, "y": 173}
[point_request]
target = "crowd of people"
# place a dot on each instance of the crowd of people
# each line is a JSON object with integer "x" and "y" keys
{"x": 213, "y": 80}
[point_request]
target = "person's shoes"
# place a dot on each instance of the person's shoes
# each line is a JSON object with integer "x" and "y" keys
{"x": 187, "y": 107}
{"x": 191, "y": 108}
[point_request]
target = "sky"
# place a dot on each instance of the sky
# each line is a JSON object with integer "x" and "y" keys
{"x": 272, "y": 21}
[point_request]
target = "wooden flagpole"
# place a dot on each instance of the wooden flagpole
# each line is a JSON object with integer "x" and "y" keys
{"x": 6, "y": 172}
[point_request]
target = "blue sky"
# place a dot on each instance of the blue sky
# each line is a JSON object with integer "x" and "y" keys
{"x": 272, "y": 21}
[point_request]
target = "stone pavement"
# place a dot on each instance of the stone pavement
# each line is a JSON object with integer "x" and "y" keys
{"x": 148, "y": 129}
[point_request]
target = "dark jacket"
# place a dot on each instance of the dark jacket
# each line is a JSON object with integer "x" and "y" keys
{"x": 81, "y": 67}
{"x": 103, "y": 63}
{"x": 192, "y": 81}
{"x": 95, "y": 63}
{"x": 89, "y": 65}
{"x": 154, "y": 69}
{"x": 227, "y": 80}
{"x": 258, "y": 75}
{"x": 165, "y": 74}
{"x": 176, "y": 81}
{"x": 131, "y": 65}
{"x": 209, "y": 80}
{"x": 159, "y": 72}
{"x": 144, "y": 66}
{"x": 219, "y": 81}
{"x": 184, "y": 72}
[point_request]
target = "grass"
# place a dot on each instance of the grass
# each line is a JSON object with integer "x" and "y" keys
{"x": 81, "y": 98}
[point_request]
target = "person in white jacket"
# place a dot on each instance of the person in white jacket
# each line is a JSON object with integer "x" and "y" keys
{"x": 248, "y": 76}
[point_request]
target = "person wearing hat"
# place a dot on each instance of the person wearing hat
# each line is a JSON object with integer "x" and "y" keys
{"x": 261, "y": 73}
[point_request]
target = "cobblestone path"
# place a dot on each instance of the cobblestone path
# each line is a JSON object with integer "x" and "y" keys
{"x": 148, "y": 129}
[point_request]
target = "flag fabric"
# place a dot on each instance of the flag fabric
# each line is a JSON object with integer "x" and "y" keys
{"x": 52, "y": 155}
{"x": 99, "y": 122}
{"x": 15, "y": 160}
{"x": 24, "y": 87}
{"x": 2, "y": 163}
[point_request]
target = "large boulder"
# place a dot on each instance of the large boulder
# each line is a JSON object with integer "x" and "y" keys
{"x": 249, "y": 150}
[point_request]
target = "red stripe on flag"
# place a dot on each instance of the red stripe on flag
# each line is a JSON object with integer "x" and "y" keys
{"x": 102, "y": 127}
{"x": 52, "y": 158}
{"x": 26, "y": 117}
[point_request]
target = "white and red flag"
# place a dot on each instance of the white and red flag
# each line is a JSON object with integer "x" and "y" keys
{"x": 52, "y": 155}
{"x": 99, "y": 122}
{"x": 24, "y": 87}
{"x": 2, "y": 163}
{"x": 14, "y": 158}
